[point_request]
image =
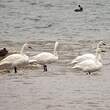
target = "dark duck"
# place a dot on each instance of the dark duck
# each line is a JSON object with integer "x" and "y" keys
{"x": 79, "y": 10}
{"x": 3, "y": 52}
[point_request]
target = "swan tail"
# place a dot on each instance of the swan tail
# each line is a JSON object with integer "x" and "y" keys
{"x": 3, "y": 63}
{"x": 73, "y": 62}
{"x": 75, "y": 67}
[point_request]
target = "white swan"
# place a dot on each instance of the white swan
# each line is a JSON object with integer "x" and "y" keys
{"x": 16, "y": 59}
{"x": 88, "y": 56}
{"x": 45, "y": 58}
{"x": 90, "y": 65}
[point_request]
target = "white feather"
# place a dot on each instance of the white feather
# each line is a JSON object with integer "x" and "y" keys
{"x": 16, "y": 59}
{"x": 90, "y": 65}
{"x": 81, "y": 58}
{"x": 45, "y": 57}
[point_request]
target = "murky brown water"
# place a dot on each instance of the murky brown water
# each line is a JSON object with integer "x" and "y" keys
{"x": 61, "y": 88}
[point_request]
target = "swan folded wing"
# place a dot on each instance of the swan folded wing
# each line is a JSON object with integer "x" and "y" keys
{"x": 82, "y": 58}
{"x": 44, "y": 58}
{"x": 15, "y": 58}
{"x": 88, "y": 65}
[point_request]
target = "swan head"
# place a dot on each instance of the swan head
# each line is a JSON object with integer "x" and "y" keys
{"x": 79, "y": 5}
{"x": 101, "y": 43}
{"x": 27, "y": 45}
{"x": 99, "y": 50}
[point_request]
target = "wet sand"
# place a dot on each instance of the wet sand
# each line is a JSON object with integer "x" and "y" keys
{"x": 61, "y": 88}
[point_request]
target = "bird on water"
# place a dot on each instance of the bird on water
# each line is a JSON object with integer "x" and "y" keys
{"x": 80, "y": 9}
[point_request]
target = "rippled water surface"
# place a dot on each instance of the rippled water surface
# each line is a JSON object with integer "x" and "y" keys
{"x": 41, "y": 23}
{"x": 61, "y": 88}
{"x": 45, "y": 19}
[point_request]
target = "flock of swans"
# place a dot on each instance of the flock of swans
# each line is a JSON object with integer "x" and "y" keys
{"x": 87, "y": 62}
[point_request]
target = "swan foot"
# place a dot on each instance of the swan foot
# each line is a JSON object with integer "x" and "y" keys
{"x": 45, "y": 68}
{"x": 15, "y": 69}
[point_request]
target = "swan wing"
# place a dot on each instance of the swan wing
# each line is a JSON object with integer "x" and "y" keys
{"x": 44, "y": 58}
{"x": 14, "y": 58}
{"x": 82, "y": 58}
{"x": 88, "y": 65}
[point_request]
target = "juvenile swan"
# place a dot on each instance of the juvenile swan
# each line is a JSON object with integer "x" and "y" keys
{"x": 83, "y": 57}
{"x": 90, "y": 65}
{"x": 45, "y": 58}
{"x": 16, "y": 59}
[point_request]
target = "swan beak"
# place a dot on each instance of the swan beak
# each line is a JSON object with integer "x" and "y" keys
{"x": 30, "y": 47}
{"x": 103, "y": 51}
{"x": 104, "y": 44}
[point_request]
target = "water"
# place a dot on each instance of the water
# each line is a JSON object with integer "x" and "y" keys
{"x": 45, "y": 19}
{"x": 41, "y": 23}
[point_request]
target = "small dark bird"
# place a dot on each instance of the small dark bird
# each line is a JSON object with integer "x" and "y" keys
{"x": 3, "y": 52}
{"x": 79, "y": 10}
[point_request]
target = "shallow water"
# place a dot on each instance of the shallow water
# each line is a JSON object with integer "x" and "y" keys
{"x": 41, "y": 23}
{"x": 61, "y": 88}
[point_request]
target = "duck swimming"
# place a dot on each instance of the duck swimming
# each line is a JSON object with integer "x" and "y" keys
{"x": 3, "y": 52}
{"x": 80, "y": 9}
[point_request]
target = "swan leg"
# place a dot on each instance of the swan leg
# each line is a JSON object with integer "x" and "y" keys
{"x": 88, "y": 73}
{"x": 15, "y": 69}
{"x": 45, "y": 68}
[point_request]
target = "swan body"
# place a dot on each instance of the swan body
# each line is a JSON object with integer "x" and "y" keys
{"x": 83, "y": 57}
{"x": 90, "y": 65}
{"x": 45, "y": 58}
{"x": 16, "y": 59}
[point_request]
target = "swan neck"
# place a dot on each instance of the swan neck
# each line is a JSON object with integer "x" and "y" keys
{"x": 98, "y": 46}
{"x": 55, "y": 52}
{"x": 55, "y": 49}
{"x": 98, "y": 56}
{"x": 22, "y": 49}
